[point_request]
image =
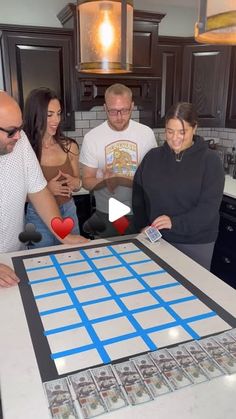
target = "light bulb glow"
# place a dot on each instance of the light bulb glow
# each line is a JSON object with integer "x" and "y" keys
{"x": 106, "y": 32}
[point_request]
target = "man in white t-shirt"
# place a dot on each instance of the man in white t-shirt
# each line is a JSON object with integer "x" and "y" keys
{"x": 111, "y": 153}
{"x": 20, "y": 177}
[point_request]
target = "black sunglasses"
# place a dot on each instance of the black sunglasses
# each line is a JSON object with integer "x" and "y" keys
{"x": 11, "y": 132}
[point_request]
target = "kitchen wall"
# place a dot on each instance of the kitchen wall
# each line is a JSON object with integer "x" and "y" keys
{"x": 179, "y": 21}
{"x": 85, "y": 121}
{"x": 180, "y": 18}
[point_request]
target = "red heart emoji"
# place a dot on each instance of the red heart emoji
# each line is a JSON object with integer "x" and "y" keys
{"x": 62, "y": 227}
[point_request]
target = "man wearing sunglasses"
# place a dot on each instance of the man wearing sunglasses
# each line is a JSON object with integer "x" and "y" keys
{"x": 110, "y": 155}
{"x": 20, "y": 177}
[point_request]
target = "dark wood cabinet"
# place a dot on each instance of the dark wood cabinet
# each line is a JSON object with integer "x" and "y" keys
{"x": 145, "y": 94}
{"x": 169, "y": 69}
{"x": 143, "y": 80}
{"x": 231, "y": 104}
{"x": 205, "y": 81}
{"x": 224, "y": 261}
{"x": 35, "y": 57}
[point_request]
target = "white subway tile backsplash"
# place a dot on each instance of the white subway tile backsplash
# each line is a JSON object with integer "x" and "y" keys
{"x": 94, "y": 123}
{"x": 232, "y": 135}
{"x": 82, "y": 123}
{"x": 89, "y": 115}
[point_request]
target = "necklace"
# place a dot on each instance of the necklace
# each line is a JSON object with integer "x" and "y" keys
{"x": 179, "y": 156}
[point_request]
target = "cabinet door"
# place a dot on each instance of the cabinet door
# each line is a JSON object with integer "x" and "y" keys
{"x": 169, "y": 67}
{"x": 205, "y": 81}
{"x": 32, "y": 60}
{"x": 231, "y": 105}
{"x": 145, "y": 95}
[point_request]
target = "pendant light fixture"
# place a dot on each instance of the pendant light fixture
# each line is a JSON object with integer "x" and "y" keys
{"x": 105, "y": 36}
{"x": 217, "y": 22}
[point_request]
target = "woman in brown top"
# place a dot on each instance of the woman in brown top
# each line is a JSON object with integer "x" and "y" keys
{"x": 58, "y": 157}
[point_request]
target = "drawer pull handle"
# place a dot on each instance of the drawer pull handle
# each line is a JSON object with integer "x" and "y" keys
{"x": 227, "y": 260}
{"x": 229, "y": 228}
{"x": 230, "y": 207}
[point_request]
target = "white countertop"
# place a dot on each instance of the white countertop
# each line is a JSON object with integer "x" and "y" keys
{"x": 230, "y": 186}
{"x": 21, "y": 386}
{"x": 229, "y": 189}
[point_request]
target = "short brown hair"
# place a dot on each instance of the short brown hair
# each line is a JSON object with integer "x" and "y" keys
{"x": 118, "y": 89}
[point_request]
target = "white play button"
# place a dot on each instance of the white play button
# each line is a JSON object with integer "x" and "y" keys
{"x": 117, "y": 209}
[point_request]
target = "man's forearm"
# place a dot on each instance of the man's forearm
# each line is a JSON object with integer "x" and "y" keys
{"x": 46, "y": 206}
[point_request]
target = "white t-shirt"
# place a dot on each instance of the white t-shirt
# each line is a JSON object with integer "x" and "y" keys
{"x": 119, "y": 152}
{"x": 20, "y": 174}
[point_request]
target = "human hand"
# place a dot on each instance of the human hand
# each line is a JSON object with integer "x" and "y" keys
{"x": 7, "y": 276}
{"x": 74, "y": 239}
{"x": 73, "y": 182}
{"x": 162, "y": 222}
{"x": 110, "y": 180}
{"x": 58, "y": 186}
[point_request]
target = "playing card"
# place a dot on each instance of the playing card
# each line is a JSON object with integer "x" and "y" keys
{"x": 59, "y": 399}
{"x": 104, "y": 377}
{"x": 163, "y": 360}
{"x": 138, "y": 393}
{"x": 127, "y": 373}
{"x": 145, "y": 366}
{"x": 157, "y": 385}
{"x": 114, "y": 398}
{"x": 153, "y": 234}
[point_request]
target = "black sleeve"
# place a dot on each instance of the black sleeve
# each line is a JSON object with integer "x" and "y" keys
{"x": 140, "y": 217}
{"x": 207, "y": 208}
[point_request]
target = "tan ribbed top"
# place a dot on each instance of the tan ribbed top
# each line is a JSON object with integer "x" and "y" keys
{"x": 51, "y": 171}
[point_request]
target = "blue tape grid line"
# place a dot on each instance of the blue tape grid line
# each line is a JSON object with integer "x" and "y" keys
{"x": 103, "y": 354}
{"x": 164, "y": 304}
{"x": 139, "y": 331}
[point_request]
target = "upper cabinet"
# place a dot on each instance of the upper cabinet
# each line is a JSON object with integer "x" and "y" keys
{"x": 169, "y": 69}
{"x": 205, "y": 77}
{"x": 36, "y": 57}
{"x": 145, "y": 39}
{"x": 231, "y": 104}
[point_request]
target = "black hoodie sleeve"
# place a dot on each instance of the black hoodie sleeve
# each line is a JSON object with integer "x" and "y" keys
{"x": 140, "y": 217}
{"x": 204, "y": 214}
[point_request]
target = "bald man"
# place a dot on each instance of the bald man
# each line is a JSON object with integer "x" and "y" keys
{"x": 21, "y": 178}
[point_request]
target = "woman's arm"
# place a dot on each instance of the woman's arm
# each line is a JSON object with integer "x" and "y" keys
{"x": 73, "y": 182}
{"x": 139, "y": 204}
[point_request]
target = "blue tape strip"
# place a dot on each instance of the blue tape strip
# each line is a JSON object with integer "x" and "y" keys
{"x": 62, "y": 329}
{"x": 122, "y": 306}
{"x": 97, "y": 343}
{"x": 103, "y": 354}
{"x": 36, "y": 268}
{"x": 39, "y": 281}
{"x": 55, "y": 310}
{"x": 167, "y": 307}
{"x": 49, "y": 294}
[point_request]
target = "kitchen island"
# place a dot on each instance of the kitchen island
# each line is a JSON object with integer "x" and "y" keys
{"x": 21, "y": 386}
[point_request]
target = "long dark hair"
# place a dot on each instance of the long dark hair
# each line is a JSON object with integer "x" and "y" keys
{"x": 35, "y": 120}
{"x": 183, "y": 111}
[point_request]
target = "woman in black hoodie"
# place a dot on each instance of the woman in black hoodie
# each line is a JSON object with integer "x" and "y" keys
{"x": 178, "y": 187}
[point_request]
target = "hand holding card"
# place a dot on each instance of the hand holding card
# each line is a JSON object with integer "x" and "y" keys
{"x": 153, "y": 234}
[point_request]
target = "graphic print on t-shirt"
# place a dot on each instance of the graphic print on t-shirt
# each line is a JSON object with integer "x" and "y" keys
{"x": 122, "y": 157}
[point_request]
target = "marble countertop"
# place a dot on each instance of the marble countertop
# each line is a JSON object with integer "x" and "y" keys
{"x": 230, "y": 186}
{"x": 21, "y": 386}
